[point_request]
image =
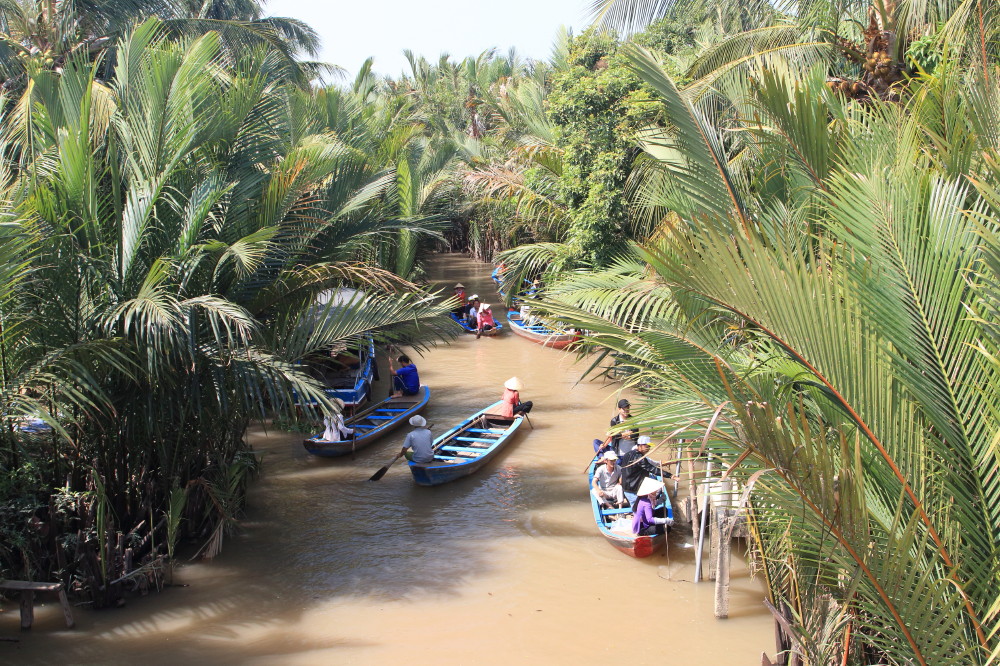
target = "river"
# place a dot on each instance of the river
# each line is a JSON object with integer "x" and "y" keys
{"x": 507, "y": 564}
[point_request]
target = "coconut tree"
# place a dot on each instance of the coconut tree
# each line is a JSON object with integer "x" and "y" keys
{"x": 818, "y": 306}
{"x": 180, "y": 221}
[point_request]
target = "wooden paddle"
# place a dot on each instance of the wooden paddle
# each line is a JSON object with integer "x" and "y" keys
{"x": 382, "y": 470}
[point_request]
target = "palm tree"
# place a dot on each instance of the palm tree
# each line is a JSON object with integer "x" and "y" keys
{"x": 819, "y": 306}
{"x": 179, "y": 226}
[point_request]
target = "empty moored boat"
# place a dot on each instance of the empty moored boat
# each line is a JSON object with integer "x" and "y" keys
{"x": 543, "y": 335}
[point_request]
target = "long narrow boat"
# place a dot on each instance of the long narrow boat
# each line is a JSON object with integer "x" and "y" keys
{"x": 469, "y": 329}
{"x": 467, "y": 446}
{"x": 351, "y": 384}
{"x": 619, "y": 533}
{"x": 543, "y": 335}
{"x": 376, "y": 420}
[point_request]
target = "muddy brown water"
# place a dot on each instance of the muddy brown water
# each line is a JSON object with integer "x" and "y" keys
{"x": 506, "y": 564}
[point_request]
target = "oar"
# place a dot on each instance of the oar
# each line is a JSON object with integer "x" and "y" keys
{"x": 382, "y": 470}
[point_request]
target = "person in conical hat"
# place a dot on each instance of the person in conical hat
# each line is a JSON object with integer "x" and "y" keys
{"x": 460, "y": 295}
{"x": 512, "y": 399}
{"x": 484, "y": 320}
{"x": 645, "y": 522}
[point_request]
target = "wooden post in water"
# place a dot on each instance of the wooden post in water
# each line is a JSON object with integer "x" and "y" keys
{"x": 699, "y": 553}
{"x": 725, "y": 515}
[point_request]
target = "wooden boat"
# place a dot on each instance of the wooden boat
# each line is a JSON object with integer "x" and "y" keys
{"x": 623, "y": 539}
{"x": 467, "y": 446}
{"x": 543, "y": 335}
{"x": 350, "y": 384}
{"x": 469, "y": 329}
{"x": 376, "y": 420}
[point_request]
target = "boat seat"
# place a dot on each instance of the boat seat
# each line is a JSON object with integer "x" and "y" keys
{"x": 378, "y": 418}
{"x": 364, "y": 425}
{"x": 475, "y": 439}
{"x": 496, "y": 431}
{"x": 614, "y": 512}
{"x": 387, "y": 409}
{"x": 461, "y": 449}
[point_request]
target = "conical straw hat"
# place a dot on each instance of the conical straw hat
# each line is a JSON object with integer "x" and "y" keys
{"x": 514, "y": 384}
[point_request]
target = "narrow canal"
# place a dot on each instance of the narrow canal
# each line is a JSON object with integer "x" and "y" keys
{"x": 331, "y": 568}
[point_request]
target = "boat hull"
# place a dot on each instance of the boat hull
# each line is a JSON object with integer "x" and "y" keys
{"x": 631, "y": 545}
{"x": 376, "y": 421}
{"x": 542, "y": 335}
{"x": 466, "y": 447}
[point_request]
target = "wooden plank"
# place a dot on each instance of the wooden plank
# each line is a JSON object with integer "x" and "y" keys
{"x": 29, "y": 585}
{"x": 461, "y": 449}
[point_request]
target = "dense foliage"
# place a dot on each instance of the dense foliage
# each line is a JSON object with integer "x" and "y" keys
{"x": 167, "y": 231}
{"x": 817, "y": 303}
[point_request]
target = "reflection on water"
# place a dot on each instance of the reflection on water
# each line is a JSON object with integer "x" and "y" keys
{"x": 332, "y": 568}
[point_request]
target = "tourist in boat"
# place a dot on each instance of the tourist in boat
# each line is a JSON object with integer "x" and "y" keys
{"x": 485, "y": 320}
{"x": 607, "y": 487}
{"x": 472, "y": 311}
{"x": 460, "y": 295}
{"x": 335, "y": 428}
{"x": 418, "y": 446}
{"x": 644, "y": 522}
{"x": 512, "y": 399}
{"x": 636, "y": 467}
{"x": 405, "y": 380}
{"x": 623, "y": 442}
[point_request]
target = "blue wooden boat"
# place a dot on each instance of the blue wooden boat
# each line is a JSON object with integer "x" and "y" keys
{"x": 543, "y": 335}
{"x": 469, "y": 329}
{"x": 467, "y": 446}
{"x": 620, "y": 535}
{"x": 350, "y": 383}
{"x": 375, "y": 421}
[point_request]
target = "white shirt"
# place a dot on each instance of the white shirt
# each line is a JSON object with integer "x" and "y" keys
{"x": 606, "y": 479}
{"x": 336, "y": 429}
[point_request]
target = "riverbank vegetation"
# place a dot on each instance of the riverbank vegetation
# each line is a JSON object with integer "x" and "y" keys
{"x": 816, "y": 302}
{"x": 173, "y": 204}
{"x": 776, "y": 221}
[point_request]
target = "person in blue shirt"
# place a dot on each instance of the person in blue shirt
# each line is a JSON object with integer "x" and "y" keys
{"x": 405, "y": 380}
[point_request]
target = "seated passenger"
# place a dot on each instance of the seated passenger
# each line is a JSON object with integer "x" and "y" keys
{"x": 460, "y": 295}
{"x": 336, "y": 430}
{"x": 636, "y": 467}
{"x": 511, "y": 399}
{"x": 472, "y": 311}
{"x": 644, "y": 522}
{"x": 485, "y": 320}
{"x": 405, "y": 380}
{"x": 418, "y": 446}
{"x": 607, "y": 487}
